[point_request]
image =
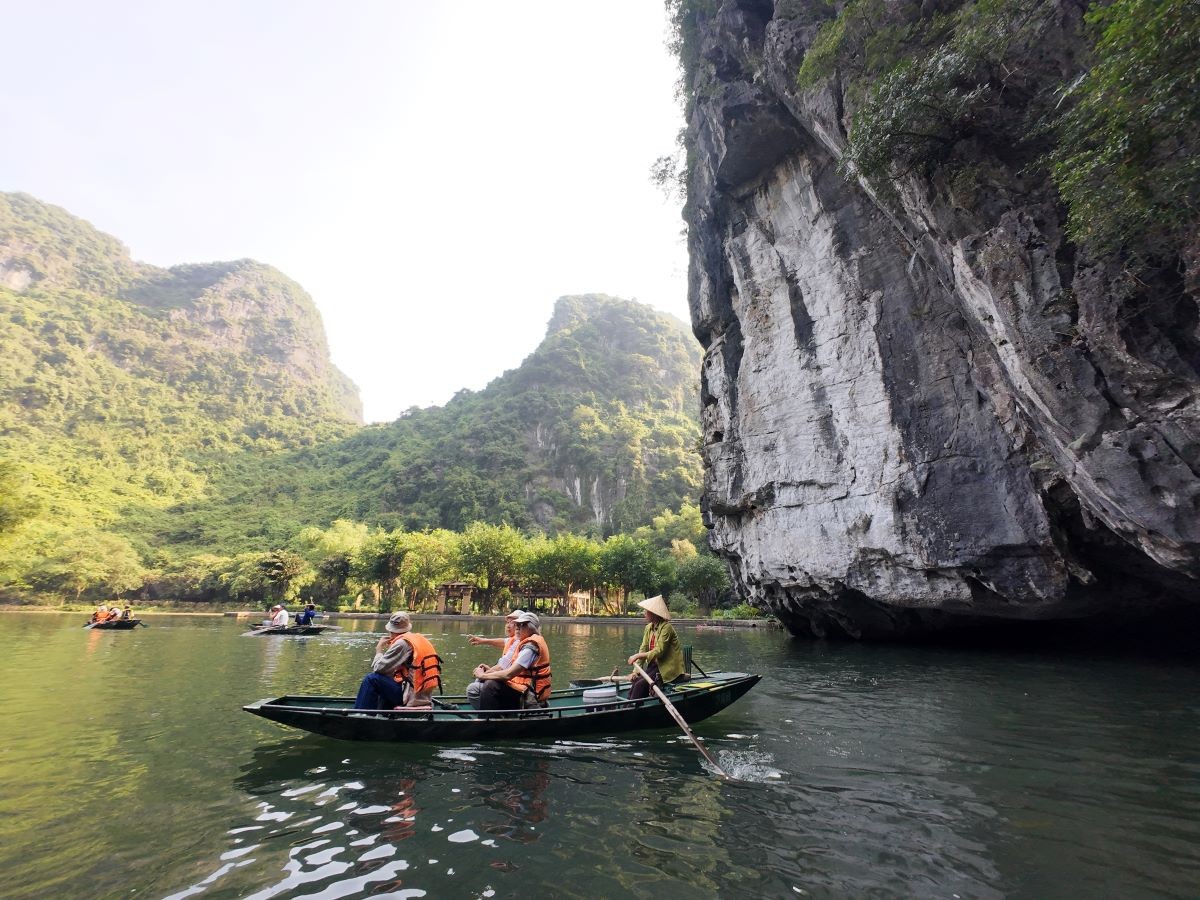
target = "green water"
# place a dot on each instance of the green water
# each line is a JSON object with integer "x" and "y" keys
{"x": 128, "y": 769}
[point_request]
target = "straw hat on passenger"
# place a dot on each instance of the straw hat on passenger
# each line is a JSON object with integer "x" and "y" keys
{"x": 657, "y": 606}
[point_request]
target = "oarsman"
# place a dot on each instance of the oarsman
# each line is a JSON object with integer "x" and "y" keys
{"x": 405, "y": 671}
{"x": 660, "y": 655}
{"x": 527, "y": 680}
{"x": 506, "y": 645}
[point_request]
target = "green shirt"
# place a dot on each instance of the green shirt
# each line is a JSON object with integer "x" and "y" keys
{"x": 667, "y": 652}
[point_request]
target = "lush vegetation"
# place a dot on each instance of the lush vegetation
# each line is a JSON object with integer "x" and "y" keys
{"x": 349, "y": 565}
{"x": 929, "y": 84}
{"x": 181, "y": 434}
{"x": 1128, "y": 160}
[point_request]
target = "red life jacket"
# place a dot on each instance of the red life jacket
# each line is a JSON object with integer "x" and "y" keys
{"x": 424, "y": 670}
{"x": 537, "y": 677}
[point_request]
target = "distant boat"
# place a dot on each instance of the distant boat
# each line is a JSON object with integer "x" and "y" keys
{"x": 290, "y": 629}
{"x": 570, "y": 712}
{"x": 116, "y": 624}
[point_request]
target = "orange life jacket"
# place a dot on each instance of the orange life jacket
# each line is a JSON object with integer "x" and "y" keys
{"x": 508, "y": 642}
{"x": 424, "y": 671}
{"x": 537, "y": 677}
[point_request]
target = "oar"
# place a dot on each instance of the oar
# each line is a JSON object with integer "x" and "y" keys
{"x": 679, "y": 720}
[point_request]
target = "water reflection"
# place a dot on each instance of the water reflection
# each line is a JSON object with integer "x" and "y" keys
{"x": 866, "y": 771}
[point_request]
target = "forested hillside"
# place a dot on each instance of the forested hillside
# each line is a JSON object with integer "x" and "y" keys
{"x": 595, "y": 433}
{"x": 163, "y": 421}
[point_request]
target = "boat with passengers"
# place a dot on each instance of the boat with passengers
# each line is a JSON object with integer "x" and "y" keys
{"x": 584, "y": 708}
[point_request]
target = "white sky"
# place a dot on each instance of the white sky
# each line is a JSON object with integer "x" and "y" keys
{"x": 435, "y": 174}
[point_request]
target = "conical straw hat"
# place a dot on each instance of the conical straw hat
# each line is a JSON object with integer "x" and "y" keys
{"x": 657, "y": 606}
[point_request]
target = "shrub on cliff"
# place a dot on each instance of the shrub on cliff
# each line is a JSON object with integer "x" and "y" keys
{"x": 1128, "y": 158}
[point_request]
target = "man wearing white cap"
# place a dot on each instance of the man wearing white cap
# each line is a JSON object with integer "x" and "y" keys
{"x": 279, "y": 616}
{"x": 506, "y": 645}
{"x": 660, "y": 655}
{"x": 528, "y": 672}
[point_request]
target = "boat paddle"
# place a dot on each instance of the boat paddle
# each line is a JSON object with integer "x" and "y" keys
{"x": 679, "y": 720}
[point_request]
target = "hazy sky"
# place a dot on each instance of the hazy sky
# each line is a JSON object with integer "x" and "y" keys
{"x": 435, "y": 174}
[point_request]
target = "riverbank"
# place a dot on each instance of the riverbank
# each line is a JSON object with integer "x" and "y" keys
{"x": 569, "y": 620}
{"x": 143, "y": 612}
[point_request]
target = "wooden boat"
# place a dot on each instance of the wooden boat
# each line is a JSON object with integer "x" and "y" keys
{"x": 115, "y": 625}
{"x": 290, "y": 629}
{"x": 452, "y": 719}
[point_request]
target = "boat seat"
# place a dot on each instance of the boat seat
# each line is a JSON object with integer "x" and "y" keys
{"x": 688, "y": 665}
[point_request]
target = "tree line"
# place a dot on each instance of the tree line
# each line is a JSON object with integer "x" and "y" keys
{"x": 349, "y": 564}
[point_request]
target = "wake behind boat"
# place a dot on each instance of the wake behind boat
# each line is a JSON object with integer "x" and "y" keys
{"x": 572, "y": 712}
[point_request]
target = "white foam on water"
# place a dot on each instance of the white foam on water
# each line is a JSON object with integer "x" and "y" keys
{"x": 371, "y": 810}
{"x": 437, "y": 828}
{"x": 456, "y": 756}
{"x": 749, "y": 765}
{"x": 463, "y": 837}
{"x": 332, "y": 826}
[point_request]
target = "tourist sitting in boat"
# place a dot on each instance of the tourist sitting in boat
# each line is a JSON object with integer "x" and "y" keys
{"x": 506, "y": 645}
{"x": 279, "y": 616}
{"x": 405, "y": 671}
{"x": 660, "y": 655}
{"x": 306, "y": 615}
{"x": 127, "y": 613}
{"x": 526, "y": 680}
{"x": 101, "y": 613}
{"x": 113, "y": 614}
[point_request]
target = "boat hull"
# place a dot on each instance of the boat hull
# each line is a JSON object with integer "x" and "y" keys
{"x": 116, "y": 625}
{"x": 291, "y": 629}
{"x": 567, "y": 716}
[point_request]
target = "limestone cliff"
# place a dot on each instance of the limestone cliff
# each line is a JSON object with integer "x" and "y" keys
{"x": 923, "y": 404}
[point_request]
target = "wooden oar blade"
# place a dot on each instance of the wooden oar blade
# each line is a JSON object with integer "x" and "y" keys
{"x": 680, "y": 721}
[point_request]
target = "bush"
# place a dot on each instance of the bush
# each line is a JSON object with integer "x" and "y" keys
{"x": 1128, "y": 158}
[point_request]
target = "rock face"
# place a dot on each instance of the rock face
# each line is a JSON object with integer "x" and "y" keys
{"x": 925, "y": 412}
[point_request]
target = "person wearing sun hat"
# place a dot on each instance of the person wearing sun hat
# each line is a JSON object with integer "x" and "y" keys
{"x": 660, "y": 654}
{"x": 279, "y": 616}
{"x": 404, "y": 671}
{"x": 528, "y": 673}
{"x": 507, "y": 645}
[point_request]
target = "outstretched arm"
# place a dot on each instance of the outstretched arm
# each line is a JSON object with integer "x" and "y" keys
{"x": 476, "y": 640}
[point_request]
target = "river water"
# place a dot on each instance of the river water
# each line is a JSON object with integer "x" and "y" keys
{"x": 127, "y": 769}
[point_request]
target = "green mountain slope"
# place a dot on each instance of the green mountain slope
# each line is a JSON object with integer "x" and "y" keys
{"x": 594, "y": 432}
{"x": 148, "y": 415}
{"x": 124, "y": 386}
